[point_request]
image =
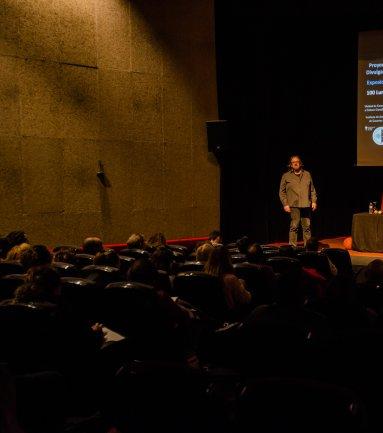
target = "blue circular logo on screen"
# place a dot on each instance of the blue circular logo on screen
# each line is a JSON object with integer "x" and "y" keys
{"x": 377, "y": 136}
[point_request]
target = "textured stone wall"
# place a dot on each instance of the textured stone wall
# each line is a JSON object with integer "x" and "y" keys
{"x": 130, "y": 83}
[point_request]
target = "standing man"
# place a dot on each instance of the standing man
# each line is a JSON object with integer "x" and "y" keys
{"x": 299, "y": 198}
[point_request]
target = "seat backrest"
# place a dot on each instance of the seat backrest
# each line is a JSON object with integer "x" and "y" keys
{"x": 102, "y": 275}
{"x": 9, "y": 284}
{"x": 83, "y": 260}
{"x": 125, "y": 263}
{"x": 190, "y": 266}
{"x": 341, "y": 259}
{"x": 157, "y": 396}
{"x": 11, "y": 267}
{"x": 238, "y": 258}
{"x": 202, "y": 290}
{"x": 130, "y": 307}
{"x": 260, "y": 279}
{"x": 76, "y": 249}
{"x": 179, "y": 248}
{"x": 136, "y": 253}
{"x": 316, "y": 260}
{"x": 269, "y": 247}
{"x": 282, "y": 265}
{"x": 298, "y": 405}
{"x": 65, "y": 269}
{"x": 82, "y": 296}
{"x": 178, "y": 256}
{"x": 267, "y": 253}
{"x": 27, "y": 335}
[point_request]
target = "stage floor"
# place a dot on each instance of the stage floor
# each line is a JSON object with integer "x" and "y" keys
{"x": 357, "y": 258}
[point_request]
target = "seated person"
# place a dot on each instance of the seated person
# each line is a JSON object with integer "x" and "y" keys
{"x": 162, "y": 259}
{"x": 36, "y": 255}
{"x": 92, "y": 245}
{"x": 243, "y": 244}
{"x": 173, "y": 319}
{"x": 11, "y": 240}
{"x": 136, "y": 241}
{"x": 65, "y": 256}
{"x": 72, "y": 338}
{"x": 16, "y": 251}
{"x": 155, "y": 241}
{"x": 107, "y": 258}
{"x": 215, "y": 238}
{"x": 203, "y": 252}
{"x": 42, "y": 285}
{"x": 219, "y": 264}
{"x": 312, "y": 244}
{"x": 255, "y": 254}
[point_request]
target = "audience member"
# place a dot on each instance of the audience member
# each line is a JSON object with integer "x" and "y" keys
{"x": 312, "y": 244}
{"x": 65, "y": 256}
{"x": 4, "y": 247}
{"x": 16, "y": 238}
{"x": 107, "y": 258}
{"x": 219, "y": 265}
{"x": 373, "y": 273}
{"x": 243, "y": 244}
{"x": 92, "y": 245}
{"x": 172, "y": 316}
{"x": 203, "y": 252}
{"x": 36, "y": 255}
{"x": 42, "y": 284}
{"x": 16, "y": 251}
{"x": 155, "y": 241}
{"x": 255, "y": 254}
{"x": 162, "y": 259}
{"x": 215, "y": 238}
{"x": 136, "y": 241}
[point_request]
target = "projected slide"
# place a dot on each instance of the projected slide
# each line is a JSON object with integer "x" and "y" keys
{"x": 370, "y": 99}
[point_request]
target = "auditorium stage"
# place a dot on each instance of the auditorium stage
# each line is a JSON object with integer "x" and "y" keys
{"x": 357, "y": 258}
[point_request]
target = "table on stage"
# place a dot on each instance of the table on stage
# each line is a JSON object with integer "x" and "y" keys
{"x": 367, "y": 232}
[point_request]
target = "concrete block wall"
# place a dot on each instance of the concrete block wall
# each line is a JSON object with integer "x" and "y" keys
{"x": 130, "y": 83}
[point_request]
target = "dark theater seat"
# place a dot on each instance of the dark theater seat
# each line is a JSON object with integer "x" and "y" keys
{"x": 82, "y": 296}
{"x": 9, "y": 284}
{"x": 65, "y": 269}
{"x": 297, "y": 406}
{"x": 11, "y": 267}
{"x": 74, "y": 248}
{"x": 83, "y": 260}
{"x": 190, "y": 266}
{"x": 202, "y": 290}
{"x": 282, "y": 265}
{"x": 179, "y": 248}
{"x": 125, "y": 263}
{"x": 135, "y": 253}
{"x": 316, "y": 260}
{"x": 102, "y": 275}
{"x": 129, "y": 307}
{"x": 341, "y": 259}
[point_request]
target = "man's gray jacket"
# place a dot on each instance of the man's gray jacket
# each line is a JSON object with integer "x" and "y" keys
{"x": 297, "y": 190}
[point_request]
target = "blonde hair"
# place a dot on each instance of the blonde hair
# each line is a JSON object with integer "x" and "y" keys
{"x": 136, "y": 240}
{"x": 203, "y": 252}
{"x": 15, "y": 252}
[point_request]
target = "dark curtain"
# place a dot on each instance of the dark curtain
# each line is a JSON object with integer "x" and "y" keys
{"x": 287, "y": 84}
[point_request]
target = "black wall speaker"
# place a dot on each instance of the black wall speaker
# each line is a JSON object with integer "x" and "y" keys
{"x": 217, "y": 136}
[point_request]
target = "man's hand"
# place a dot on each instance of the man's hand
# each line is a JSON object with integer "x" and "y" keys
{"x": 313, "y": 206}
{"x": 287, "y": 208}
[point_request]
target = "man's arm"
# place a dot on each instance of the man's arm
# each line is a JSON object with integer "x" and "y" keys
{"x": 313, "y": 194}
{"x": 283, "y": 195}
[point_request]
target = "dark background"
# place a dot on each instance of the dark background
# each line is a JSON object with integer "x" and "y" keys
{"x": 287, "y": 84}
